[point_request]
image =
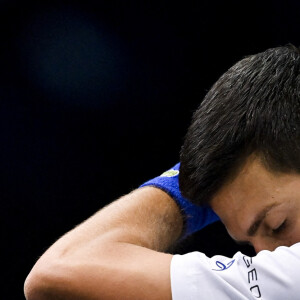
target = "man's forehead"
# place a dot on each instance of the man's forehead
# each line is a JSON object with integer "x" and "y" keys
{"x": 243, "y": 203}
{"x": 249, "y": 193}
{"x": 252, "y": 181}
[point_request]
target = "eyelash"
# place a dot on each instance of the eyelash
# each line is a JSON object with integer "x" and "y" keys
{"x": 280, "y": 228}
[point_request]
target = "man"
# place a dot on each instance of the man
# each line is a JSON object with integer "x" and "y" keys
{"x": 241, "y": 157}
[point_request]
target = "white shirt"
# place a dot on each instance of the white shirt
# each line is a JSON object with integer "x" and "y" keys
{"x": 269, "y": 276}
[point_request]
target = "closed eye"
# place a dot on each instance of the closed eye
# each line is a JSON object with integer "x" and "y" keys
{"x": 280, "y": 228}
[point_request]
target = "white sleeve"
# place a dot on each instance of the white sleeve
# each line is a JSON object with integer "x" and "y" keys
{"x": 268, "y": 275}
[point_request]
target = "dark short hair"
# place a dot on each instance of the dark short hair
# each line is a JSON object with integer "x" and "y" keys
{"x": 253, "y": 108}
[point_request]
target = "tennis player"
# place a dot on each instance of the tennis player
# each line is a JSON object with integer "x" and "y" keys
{"x": 240, "y": 163}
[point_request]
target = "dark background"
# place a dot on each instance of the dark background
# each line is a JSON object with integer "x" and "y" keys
{"x": 96, "y": 97}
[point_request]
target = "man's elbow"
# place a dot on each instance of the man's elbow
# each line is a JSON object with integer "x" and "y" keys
{"x": 34, "y": 286}
{"x": 43, "y": 282}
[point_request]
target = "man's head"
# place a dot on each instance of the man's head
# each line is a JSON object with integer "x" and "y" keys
{"x": 260, "y": 207}
{"x": 247, "y": 125}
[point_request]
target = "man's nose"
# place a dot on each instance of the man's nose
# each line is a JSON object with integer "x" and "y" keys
{"x": 260, "y": 244}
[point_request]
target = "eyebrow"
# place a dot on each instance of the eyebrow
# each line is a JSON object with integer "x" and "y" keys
{"x": 259, "y": 218}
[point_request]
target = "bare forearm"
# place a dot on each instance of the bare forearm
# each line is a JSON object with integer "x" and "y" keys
{"x": 147, "y": 217}
{"x": 121, "y": 232}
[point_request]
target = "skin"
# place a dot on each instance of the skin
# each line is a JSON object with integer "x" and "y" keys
{"x": 275, "y": 197}
{"x": 119, "y": 252}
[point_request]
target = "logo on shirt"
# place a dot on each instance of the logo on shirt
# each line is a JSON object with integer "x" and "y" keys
{"x": 223, "y": 267}
{"x": 252, "y": 277}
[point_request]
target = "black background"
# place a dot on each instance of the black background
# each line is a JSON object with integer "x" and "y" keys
{"x": 96, "y": 97}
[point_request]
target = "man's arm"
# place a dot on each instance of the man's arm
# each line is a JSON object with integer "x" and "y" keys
{"x": 114, "y": 254}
